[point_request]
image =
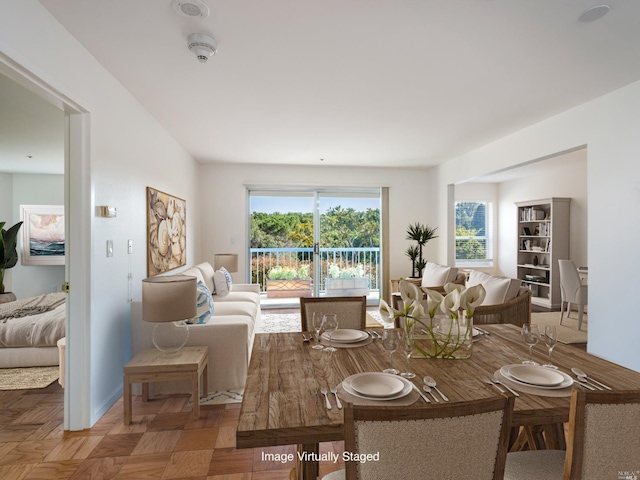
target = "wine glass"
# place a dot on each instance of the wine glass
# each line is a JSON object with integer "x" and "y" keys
{"x": 316, "y": 322}
{"x": 406, "y": 342}
{"x": 531, "y": 335}
{"x": 330, "y": 325}
{"x": 391, "y": 342}
{"x": 550, "y": 339}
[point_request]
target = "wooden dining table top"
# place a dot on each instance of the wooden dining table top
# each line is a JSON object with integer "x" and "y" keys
{"x": 282, "y": 404}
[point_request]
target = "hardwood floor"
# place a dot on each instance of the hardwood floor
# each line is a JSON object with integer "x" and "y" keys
{"x": 161, "y": 443}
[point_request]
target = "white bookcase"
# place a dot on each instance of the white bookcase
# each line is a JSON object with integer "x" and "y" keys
{"x": 543, "y": 239}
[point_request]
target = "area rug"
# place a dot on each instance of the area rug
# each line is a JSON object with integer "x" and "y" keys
{"x": 567, "y": 332}
{"x": 290, "y": 322}
{"x": 221, "y": 397}
{"x": 28, "y": 378}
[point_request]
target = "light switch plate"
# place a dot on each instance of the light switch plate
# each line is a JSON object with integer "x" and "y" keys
{"x": 109, "y": 248}
{"x": 129, "y": 247}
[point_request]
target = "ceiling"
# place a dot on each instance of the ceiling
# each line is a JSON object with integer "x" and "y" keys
{"x": 409, "y": 83}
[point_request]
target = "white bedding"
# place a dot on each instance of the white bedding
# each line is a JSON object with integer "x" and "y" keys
{"x": 39, "y": 330}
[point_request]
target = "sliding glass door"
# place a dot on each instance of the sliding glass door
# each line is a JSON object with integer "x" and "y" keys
{"x": 314, "y": 242}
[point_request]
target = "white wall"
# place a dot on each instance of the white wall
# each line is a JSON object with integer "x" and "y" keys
{"x": 609, "y": 127}
{"x": 569, "y": 179}
{"x": 31, "y": 280}
{"x": 128, "y": 151}
{"x": 224, "y": 193}
{"x": 6, "y": 214}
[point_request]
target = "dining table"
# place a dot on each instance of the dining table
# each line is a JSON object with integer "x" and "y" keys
{"x": 283, "y": 403}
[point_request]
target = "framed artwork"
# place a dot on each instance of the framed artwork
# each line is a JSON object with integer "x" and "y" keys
{"x": 42, "y": 234}
{"x": 166, "y": 232}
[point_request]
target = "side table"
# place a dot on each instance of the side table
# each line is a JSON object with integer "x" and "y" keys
{"x": 153, "y": 366}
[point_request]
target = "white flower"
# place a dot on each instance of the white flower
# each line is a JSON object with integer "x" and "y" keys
{"x": 387, "y": 313}
{"x": 434, "y": 299}
{"x": 451, "y": 303}
{"x": 450, "y": 287}
{"x": 417, "y": 311}
{"x": 409, "y": 292}
{"x": 471, "y": 298}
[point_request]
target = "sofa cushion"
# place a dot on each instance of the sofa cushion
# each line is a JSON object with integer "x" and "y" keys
{"x": 234, "y": 296}
{"x": 499, "y": 289}
{"x": 220, "y": 286}
{"x": 204, "y": 305}
{"x": 194, "y": 272}
{"x": 207, "y": 274}
{"x": 235, "y": 308}
{"x": 435, "y": 275}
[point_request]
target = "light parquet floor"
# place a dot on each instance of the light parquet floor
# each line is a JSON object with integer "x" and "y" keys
{"x": 163, "y": 442}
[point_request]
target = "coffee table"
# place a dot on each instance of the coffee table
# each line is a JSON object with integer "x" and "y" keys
{"x": 154, "y": 366}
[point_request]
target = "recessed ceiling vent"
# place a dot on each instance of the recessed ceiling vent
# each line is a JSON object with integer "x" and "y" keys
{"x": 191, "y": 8}
{"x": 202, "y": 46}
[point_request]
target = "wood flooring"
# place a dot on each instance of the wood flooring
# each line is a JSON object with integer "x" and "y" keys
{"x": 162, "y": 442}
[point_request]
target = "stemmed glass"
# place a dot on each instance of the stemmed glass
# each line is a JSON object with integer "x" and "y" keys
{"x": 406, "y": 342}
{"x": 391, "y": 342}
{"x": 330, "y": 323}
{"x": 318, "y": 318}
{"x": 531, "y": 335}
{"x": 550, "y": 339}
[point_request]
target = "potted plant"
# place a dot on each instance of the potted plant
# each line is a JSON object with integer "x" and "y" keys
{"x": 287, "y": 282}
{"x": 8, "y": 256}
{"x": 346, "y": 281}
{"x": 421, "y": 234}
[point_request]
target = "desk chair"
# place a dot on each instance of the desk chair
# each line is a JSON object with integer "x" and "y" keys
{"x": 571, "y": 290}
{"x": 351, "y": 311}
{"x": 603, "y": 440}
{"x": 461, "y": 440}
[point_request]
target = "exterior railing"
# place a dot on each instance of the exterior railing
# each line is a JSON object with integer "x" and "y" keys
{"x": 264, "y": 259}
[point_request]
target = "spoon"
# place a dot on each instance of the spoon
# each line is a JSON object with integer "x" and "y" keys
{"x": 428, "y": 390}
{"x": 432, "y": 383}
{"x": 580, "y": 373}
{"x": 584, "y": 383}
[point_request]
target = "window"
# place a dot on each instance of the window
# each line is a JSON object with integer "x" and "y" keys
{"x": 474, "y": 233}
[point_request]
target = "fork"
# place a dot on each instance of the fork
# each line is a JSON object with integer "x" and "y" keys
{"x": 334, "y": 390}
{"x": 488, "y": 381}
{"x": 498, "y": 382}
{"x": 323, "y": 391}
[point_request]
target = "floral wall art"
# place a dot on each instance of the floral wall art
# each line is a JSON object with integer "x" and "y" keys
{"x": 43, "y": 241}
{"x": 166, "y": 232}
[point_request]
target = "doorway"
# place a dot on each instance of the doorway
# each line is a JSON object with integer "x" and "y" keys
{"x": 315, "y": 242}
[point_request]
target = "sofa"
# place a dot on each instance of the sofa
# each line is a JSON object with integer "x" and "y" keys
{"x": 228, "y": 331}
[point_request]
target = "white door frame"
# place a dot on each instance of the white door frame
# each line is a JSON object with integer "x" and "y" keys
{"x": 78, "y": 219}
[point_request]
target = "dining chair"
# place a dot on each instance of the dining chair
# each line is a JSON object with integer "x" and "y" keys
{"x": 602, "y": 441}
{"x": 351, "y": 311}
{"x": 571, "y": 290}
{"x": 461, "y": 440}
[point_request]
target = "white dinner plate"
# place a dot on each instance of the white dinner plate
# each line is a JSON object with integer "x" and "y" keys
{"x": 536, "y": 375}
{"x": 567, "y": 381}
{"x": 346, "y": 335}
{"x": 406, "y": 390}
{"x": 375, "y": 384}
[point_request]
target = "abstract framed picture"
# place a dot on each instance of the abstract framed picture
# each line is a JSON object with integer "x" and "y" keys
{"x": 43, "y": 241}
{"x": 166, "y": 232}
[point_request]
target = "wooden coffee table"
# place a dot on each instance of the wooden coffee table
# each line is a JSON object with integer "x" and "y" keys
{"x": 153, "y": 366}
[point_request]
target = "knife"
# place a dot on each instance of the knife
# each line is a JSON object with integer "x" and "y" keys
{"x": 420, "y": 393}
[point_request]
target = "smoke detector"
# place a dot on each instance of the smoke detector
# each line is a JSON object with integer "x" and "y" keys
{"x": 202, "y": 46}
{"x": 191, "y": 8}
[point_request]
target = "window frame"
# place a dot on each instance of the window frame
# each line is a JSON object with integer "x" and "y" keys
{"x": 488, "y": 238}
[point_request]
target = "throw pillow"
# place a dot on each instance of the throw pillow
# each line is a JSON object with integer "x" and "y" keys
{"x": 227, "y": 275}
{"x": 495, "y": 286}
{"x": 220, "y": 284}
{"x": 204, "y": 305}
{"x": 435, "y": 275}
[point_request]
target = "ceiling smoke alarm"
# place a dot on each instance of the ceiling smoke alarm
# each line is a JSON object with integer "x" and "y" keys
{"x": 202, "y": 46}
{"x": 191, "y": 8}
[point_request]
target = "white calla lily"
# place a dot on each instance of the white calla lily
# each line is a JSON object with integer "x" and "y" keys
{"x": 434, "y": 299}
{"x": 387, "y": 313}
{"x": 450, "y": 287}
{"x": 417, "y": 311}
{"x": 409, "y": 292}
{"x": 471, "y": 298}
{"x": 451, "y": 303}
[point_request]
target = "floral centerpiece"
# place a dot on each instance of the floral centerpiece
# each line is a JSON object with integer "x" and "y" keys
{"x": 445, "y": 328}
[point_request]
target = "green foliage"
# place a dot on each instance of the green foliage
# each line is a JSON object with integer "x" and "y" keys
{"x": 335, "y": 271}
{"x": 288, "y": 273}
{"x": 471, "y": 216}
{"x": 420, "y": 234}
{"x": 469, "y": 249}
{"x": 8, "y": 251}
{"x": 339, "y": 228}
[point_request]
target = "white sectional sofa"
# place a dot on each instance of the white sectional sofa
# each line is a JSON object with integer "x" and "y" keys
{"x": 229, "y": 334}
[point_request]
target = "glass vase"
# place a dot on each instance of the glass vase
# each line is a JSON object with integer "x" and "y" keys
{"x": 444, "y": 337}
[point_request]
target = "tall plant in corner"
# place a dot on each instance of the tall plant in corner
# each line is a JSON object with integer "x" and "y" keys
{"x": 8, "y": 251}
{"x": 421, "y": 234}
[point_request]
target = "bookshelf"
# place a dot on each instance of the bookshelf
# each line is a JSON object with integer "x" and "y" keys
{"x": 543, "y": 239}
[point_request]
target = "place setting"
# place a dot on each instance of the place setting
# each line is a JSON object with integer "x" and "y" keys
{"x": 375, "y": 388}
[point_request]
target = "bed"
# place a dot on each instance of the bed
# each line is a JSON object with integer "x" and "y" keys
{"x": 30, "y": 329}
